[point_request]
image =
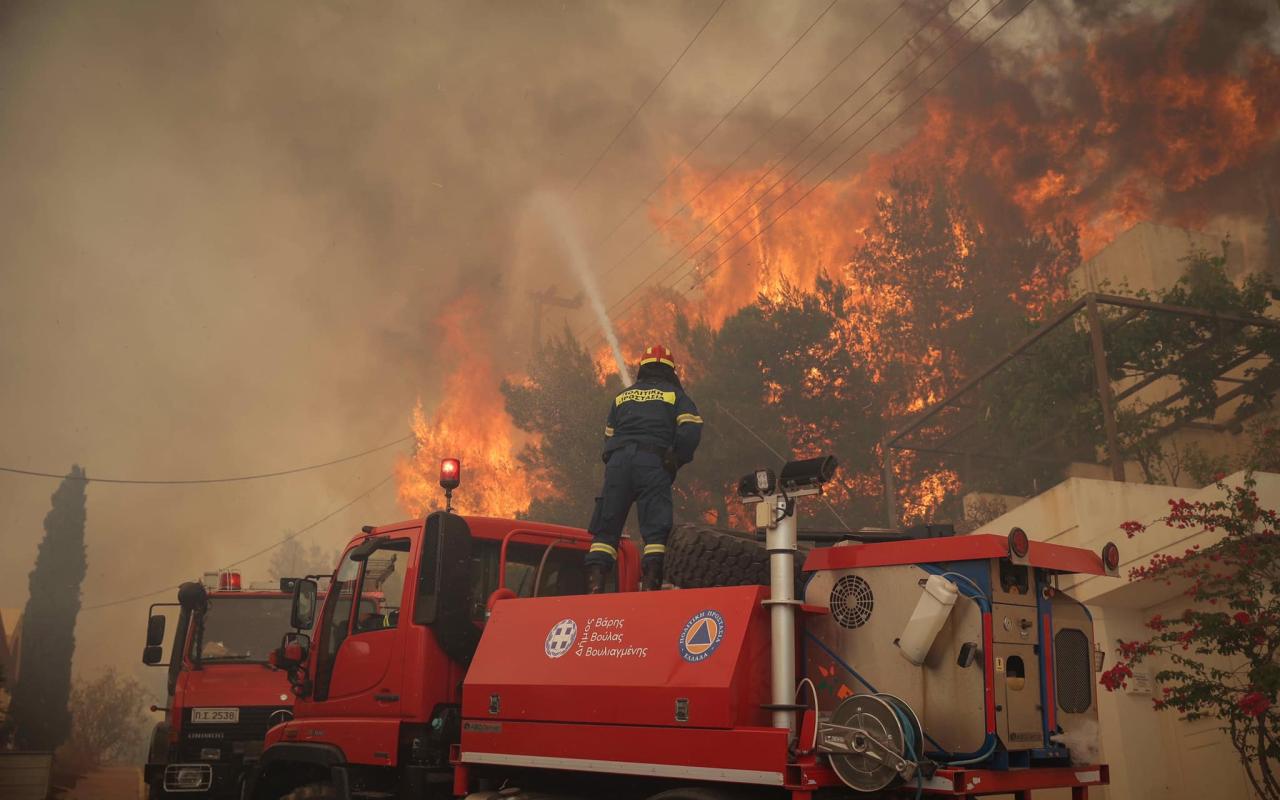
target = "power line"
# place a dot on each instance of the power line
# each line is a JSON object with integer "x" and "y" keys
{"x": 647, "y": 98}
{"x": 196, "y": 481}
{"x": 723, "y": 118}
{"x": 963, "y": 59}
{"x": 257, "y": 553}
{"x": 853, "y": 93}
{"x": 706, "y": 248}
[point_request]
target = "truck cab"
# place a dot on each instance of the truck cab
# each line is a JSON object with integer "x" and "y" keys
{"x": 383, "y": 676}
{"x": 223, "y": 694}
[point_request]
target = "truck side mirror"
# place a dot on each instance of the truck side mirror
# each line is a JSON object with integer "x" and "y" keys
{"x": 291, "y": 657}
{"x": 296, "y": 647}
{"x": 155, "y": 630}
{"x": 293, "y": 651}
{"x": 303, "y": 614}
{"x": 153, "y": 652}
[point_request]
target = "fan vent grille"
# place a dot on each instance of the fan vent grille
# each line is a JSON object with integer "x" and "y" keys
{"x": 851, "y": 602}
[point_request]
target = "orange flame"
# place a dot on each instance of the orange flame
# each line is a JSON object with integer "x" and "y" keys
{"x": 1119, "y": 128}
{"x": 469, "y": 423}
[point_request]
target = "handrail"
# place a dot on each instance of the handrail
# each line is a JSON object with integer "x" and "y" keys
{"x": 554, "y": 538}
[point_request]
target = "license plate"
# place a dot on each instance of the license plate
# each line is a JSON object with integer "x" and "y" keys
{"x": 215, "y": 715}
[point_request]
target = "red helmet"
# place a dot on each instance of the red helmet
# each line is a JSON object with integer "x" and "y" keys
{"x": 658, "y": 353}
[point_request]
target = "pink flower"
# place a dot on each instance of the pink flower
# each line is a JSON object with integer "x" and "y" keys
{"x": 1116, "y": 677}
{"x": 1243, "y": 617}
{"x": 1132, "y": 529}
{"x": 1255, "y": 704}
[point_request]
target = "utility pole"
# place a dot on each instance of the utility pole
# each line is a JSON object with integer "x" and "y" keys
{"x": 548, "y": 297}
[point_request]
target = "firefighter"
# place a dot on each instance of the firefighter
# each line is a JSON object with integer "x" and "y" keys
{"x": 652, "y": 430}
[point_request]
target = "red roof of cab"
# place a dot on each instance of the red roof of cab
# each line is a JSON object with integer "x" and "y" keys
{"x": 489, "y": 527}
{"x": 974, "y": 547}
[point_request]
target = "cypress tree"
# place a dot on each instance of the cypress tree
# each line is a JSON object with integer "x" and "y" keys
{"x": 38, "y": 710}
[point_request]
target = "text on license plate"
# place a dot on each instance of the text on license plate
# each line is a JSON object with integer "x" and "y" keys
{"x": 215, "y": 715}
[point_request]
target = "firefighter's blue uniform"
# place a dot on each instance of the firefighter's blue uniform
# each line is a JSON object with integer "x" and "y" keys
{"x": 653, "y": 429}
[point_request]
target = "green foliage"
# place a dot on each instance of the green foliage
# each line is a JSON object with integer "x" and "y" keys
{"x": 108, "y": 721}
{"x": 1044, "y": 406}
{"x": 293, "y": 560}
{"x": 564, "y": 401}
{"x": 39, "y": 709}
{"x": 1218, "y": 659}
{"x": 1262, "y": 453}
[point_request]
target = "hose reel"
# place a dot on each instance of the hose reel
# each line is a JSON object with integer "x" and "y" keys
{"x": 873, "y": 742}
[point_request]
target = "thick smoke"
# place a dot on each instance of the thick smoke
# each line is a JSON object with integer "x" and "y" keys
{"x": 226, "y": 229}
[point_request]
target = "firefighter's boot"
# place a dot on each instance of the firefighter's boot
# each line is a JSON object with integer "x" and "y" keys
{"x": 595, "y": 578}
{"x": 651, "y": 575}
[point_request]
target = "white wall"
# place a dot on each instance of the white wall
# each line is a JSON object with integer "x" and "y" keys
{"x": 1153, "y": 755}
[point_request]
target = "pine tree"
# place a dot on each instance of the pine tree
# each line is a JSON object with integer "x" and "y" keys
{"x": 39, "y": 708}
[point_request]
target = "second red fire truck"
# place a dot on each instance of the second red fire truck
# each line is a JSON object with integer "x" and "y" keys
{"x": 222, "y": 693}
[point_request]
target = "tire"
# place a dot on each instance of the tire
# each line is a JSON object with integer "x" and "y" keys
{"x": 699, "y": 556}
{"x": 312, "y": 791}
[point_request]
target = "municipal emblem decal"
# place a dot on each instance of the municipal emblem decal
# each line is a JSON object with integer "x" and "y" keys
{"x": 701, "y": 636}
{"x": 561, "y": 638}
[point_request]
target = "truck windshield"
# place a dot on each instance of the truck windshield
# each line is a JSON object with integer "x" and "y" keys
{"x": 243, "y": 628}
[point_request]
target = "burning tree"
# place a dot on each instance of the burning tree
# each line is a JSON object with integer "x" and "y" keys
{"x": 1219, "y": 657}
{"x": 38, "y": 712}
{"x": 563, "y": 401}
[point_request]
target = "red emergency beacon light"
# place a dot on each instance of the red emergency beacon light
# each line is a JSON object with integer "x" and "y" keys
{"x": 229, "y": 582}
{"x": 450, "y": 474}
{"x": 450, "y": 477}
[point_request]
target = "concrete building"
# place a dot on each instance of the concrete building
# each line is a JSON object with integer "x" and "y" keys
{"x": 1153, "y": 258}
{"x": 1153, "y": 754}
{"x": 1150, "y": 256}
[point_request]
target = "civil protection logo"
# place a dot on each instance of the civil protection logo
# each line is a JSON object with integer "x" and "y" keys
{"x": 701, "y": 636}
{"x": 561, "y": 638}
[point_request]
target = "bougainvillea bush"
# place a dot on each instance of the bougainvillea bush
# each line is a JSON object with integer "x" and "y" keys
{"x": 1219, "y": 658}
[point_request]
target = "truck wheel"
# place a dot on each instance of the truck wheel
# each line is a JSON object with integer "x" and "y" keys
{"x": 312, "y": 791}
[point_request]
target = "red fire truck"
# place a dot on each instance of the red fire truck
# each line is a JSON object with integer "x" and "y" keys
{"x": 949, "y": 666}
{"x": 222, "y": 693}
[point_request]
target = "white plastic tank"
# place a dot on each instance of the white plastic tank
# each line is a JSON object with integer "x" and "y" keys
{"x": 932, "y": 610}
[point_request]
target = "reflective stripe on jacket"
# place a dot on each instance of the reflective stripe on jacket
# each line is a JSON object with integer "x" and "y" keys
{"x": 655, "y": 413}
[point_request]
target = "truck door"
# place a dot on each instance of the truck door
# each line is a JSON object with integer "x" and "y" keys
{"x": 358, "y": 640}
